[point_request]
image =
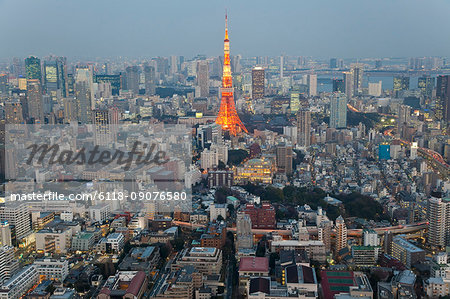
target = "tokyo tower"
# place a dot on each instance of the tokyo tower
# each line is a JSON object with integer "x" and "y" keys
{"x": 228, "y": 117}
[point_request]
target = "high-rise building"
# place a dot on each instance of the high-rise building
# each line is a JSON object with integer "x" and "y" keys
{"x": 438, "y": 214}
{"x": 113, "y": 80}
{"x": 341, "y": 234}
{"x": 338, "y": 85}
{"x": 84, "y": 93}
{"x": 149, "y": 75}
{"x": 333, "y": 63}
{"x": 55, "y": 76}
{"x": 13, "y": 112}
{"x": 375, "y": 89}
{"x": 50, "y": 76}
{"x": 294, "y": 103}
{"x": 258, "y": 77}
{"x": 284, "y": 158}
{"x": 401, "y": 83}
{"x": 203, "y": 78}
{"x": 304, "y": 128}
{"x": 33, "y": 68}
{"x": 404, "y": 113}
{"x": 173, "y": 64}
{"x": 426, "y": 85}
{"x": 281, "y": 66}
{"x": 105, "y": 123}
{"x": 228, "y": 117}
{"x": 312, "y": 85}
{"x": 3, "y": 84}
{"x": 244, "y": 235}
{"x": 338, "y": 116}
{"x": 357, "y": 71}
{"x": 348, "y": 84}
{"x": 443, "y": 97}
{"x": 34, "y": 99}
{"x": 17, "y": 215}
{"x": 133, "y": 79}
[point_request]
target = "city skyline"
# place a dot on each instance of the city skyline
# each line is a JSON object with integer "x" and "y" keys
{"x": 327, "y": 29}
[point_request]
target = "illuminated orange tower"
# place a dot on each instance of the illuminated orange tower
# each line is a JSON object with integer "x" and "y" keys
{"x": 228, "y": 117}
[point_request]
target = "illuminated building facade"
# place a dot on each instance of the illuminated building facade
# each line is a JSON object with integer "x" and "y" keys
{"x": 228, "y": 117}
{"x": 258, "y": 77}
{"x": 33, "y": 68}
{"x": 255, "y": 170}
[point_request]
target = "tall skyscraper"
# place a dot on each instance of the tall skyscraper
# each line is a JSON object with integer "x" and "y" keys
{"x": 258, "y": 77}
{"x": 34, "y": 99}
{"x": 244, "y": 235}
{"x": 426, "y": 85}
{"x": 401, "y": 83}
{"x": 3, "y": 84}
{"x": 341, "y": 234}
{"x": 105, "y": 123}
{"x": 281, "y": 66}
{"x": 33, "y": 68}
{"x": 173, "y": 65}
{"x": 443, "y": 97}
{"x": 84, "y": 94}
{"x": 348, "y": 84}
{"x": 228, "y": 117}
{"x": 438, "y": 213}
{"x": 203, "y": 78}
{"x": 55, "y": 76}
{"x": 284, "y": 158}
{"x": 404, "y": 113}
{"x": 338, "y": 116}
{"x": 133, "y": 79}
{"x": 357, "y": 72}
{"x": 51, "y": 76}
{"x": 304, "y": 128}
{"x": 312, "y": 85}
{"x": 149, "y": 74}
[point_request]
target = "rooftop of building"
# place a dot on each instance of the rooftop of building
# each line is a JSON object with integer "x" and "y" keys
{"x": 254, "y": 264}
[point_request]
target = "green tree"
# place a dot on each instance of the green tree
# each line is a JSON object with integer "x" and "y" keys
{"x": 236, "y": 157}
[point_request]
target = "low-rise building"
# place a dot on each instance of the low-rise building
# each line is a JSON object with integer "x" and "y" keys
{"x": 125, "y": 284}
{"x": 206, "y": 260}
{"x": 53, "y": 241}
{"x": 83, "y": 241}
{"x": 52, "y": 269}
{"x": 113, "y": 243}
{"x": 314, "y": 248}
{"x": 435, "y": 287}
{"x": 16, "y": 286}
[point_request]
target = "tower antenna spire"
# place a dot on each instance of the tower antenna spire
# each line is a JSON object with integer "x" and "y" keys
{"x": 228, "y": 118}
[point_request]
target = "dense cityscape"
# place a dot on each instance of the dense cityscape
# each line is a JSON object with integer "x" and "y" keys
{"x": 283, "y": 177}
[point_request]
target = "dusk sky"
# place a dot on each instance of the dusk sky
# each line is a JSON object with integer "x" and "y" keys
{"x": 143, "y": 28}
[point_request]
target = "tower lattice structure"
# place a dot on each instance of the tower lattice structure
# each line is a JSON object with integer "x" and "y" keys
{"x": 228, "y": 117}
